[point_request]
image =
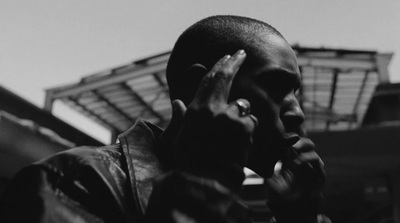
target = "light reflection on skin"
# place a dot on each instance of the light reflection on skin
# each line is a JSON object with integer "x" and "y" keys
{"x": 254, "y": 179}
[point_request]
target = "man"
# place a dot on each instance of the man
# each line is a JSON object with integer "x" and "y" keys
{"x": 232, "y": 83}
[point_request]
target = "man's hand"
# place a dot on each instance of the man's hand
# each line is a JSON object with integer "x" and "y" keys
{"x": 295, "y": 191}
{"x": 301, "y": 176}
{"x": 211, "y": 137}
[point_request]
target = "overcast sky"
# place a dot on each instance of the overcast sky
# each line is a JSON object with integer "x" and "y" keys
{"x": 48, "y": 43}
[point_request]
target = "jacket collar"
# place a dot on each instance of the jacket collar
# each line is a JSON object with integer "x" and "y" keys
{"x": 139, "y": 145}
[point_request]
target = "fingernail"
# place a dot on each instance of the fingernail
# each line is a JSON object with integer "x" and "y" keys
{"x": 240, "y": 52}
{"x": 225, "y": 58}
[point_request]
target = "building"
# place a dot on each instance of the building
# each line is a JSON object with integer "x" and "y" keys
{"x": 29, "y": 133}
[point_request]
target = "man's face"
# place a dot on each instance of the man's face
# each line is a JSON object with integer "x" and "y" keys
{"x": 270, "y": 81}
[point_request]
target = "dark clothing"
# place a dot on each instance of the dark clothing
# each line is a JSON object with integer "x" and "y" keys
{"x": 125, "y": 182}
{"x": 114, "y": 184}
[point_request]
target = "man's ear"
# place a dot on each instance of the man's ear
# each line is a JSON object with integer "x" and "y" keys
{"x": 194, "y": 75}
{"x": 198, "y": 71}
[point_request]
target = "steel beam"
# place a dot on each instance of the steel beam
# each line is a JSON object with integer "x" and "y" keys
{"x": 109, "y": 103}
{"x": 332, "y": 94}
{"x": 343, "y": 64}
{"x": 104, "y": 123}
{"x": 143, "y": 102}
{"x": 108, "y": 80}
{"x": 360, "y": 92}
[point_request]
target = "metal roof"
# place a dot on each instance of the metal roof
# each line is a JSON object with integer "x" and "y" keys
{"x": 337, "y": 87}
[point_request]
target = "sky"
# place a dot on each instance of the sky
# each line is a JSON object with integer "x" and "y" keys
{"x": 50, "y": 43}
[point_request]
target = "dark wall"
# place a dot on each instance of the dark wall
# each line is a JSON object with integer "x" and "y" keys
{"x": 360, "y": 166}
{"x": 23, "y": 109}
{"x": 384, "y": 106}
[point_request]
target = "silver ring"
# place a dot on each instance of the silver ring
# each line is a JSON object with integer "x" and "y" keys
{"x": 243, "y": 107}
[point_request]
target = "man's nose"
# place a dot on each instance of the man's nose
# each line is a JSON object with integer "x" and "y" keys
{"x": 292, "y": 115}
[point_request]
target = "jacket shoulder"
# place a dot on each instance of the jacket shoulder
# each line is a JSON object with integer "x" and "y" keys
{"x": 78, "y": 181}
{"x": 80, "y": 157}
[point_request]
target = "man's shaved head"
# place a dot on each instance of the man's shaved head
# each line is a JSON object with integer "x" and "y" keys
{"x": 206, "y": 42}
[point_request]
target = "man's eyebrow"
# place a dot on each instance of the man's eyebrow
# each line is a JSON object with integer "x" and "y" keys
{"x": 285, "y": 74}
{"x": 282, "y": 71}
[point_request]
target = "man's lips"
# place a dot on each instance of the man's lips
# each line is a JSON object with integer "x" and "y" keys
{"x": 289, "y": 139}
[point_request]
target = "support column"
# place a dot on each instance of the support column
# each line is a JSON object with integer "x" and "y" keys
{"x": 382, "y": 65}
{"x": 396, "y": 197}
{"x": 114, "y": 136}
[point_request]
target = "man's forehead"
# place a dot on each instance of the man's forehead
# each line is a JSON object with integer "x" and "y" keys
{"x": 274, "y": 45}
{"x": 272, "y": 52}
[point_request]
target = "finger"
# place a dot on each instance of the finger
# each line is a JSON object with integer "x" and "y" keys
{"x": 312, "y": 172}
{"x": 304, "y": 160}
{"x": 254, "y": 119}
{"x": 251, "y": 123}
{"x": 178, "y": 113}
{"x": 307, "y": 157}
{"x": 224, "y": 76}
{"x": 303, "y": 145}
{"x": 204, "y": 89}
{"x": 309, "y": 163}
{"x": 216, "y": 85}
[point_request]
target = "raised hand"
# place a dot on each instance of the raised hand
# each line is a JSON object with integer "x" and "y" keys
{"x": 301, "y": 175}
{"x": 211, "y": 137}
{"x": 294, "y": 193}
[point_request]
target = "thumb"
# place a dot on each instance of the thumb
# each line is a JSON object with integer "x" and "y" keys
{"x": 178, "y": 114}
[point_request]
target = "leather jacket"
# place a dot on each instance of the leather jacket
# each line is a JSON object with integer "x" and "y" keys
{"x": 124, "y": 182}
{"x": 112, "y": 184}
{"x": 87, "y": 184}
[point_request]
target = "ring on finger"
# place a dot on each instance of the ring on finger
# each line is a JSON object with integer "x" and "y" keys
{"x": 243, "y": 107}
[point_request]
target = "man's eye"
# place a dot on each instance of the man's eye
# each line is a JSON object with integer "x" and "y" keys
{"x": 278, "y": 86}
{"x": 277, "y": 90}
